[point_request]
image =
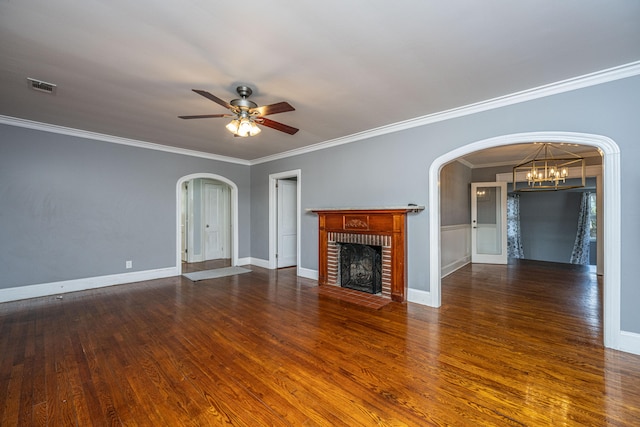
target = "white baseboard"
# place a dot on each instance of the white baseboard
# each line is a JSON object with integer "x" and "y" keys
{"x": 243, "y": 261}
{"x": 56, "y": 288}
{"x": 630, "y": 342}
{"x": 308, "y": 273}
{"x": 456, "y": 265}
{"x": 254, "y": 261}
{"x": 419, "y": 297}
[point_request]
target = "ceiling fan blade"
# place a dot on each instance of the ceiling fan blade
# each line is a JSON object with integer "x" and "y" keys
{"x": 277, "y": 126}
{"x": 213, "y": 98}
{"x": 279, "y": 107}
{"x": 206, "y": 116}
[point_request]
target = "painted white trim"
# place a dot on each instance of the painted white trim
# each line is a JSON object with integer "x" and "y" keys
{"x": 46, "y": 127}
{"x": 244, "y": 261}
{"x": 457, "y": 239}
{"x": 234, "y": 214}
{"x": 592, "y": 79}
{"x": 630, "y": 342}
{"x": 454, "y": 266}
{"x": 273, "y": 215}
{"x": 456, "y": 227}
{"x": 56, "y": 288}
{"x": 258, "y": 262}
{"x": 308, "y": 273}
{"x": 419, "y": 297}
{"x": 611, "y": 215}
{"x": 604, "y": 76}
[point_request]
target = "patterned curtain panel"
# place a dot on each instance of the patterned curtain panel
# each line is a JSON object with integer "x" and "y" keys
{"x": 580, "y": 253}
{"x": 514, "y": 238}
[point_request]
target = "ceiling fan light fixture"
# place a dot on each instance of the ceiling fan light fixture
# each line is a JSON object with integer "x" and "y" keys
{"x": 233, "y": 126}
{"x": 246, "y": 114}
{"x": 243, "y": 127}
{"x": 254, "y": 129}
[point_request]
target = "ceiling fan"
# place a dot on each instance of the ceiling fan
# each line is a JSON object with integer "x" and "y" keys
{"x": 246, "y": 114}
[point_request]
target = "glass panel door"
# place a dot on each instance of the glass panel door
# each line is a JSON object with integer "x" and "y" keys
{"x": 489, "y": 222}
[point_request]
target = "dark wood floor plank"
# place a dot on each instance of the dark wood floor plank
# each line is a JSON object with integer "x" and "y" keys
{"x": 519, "y": 344}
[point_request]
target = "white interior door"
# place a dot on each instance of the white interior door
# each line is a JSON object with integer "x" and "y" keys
{"x": 489, "y": 222}
{"x": 287, "y": 223}
{"x": 215, "y": 217}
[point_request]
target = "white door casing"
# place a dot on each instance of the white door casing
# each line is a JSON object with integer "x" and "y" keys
{"x": 215, "y": 219}
{"x": 273, "y": 216}
{"x": 286, "y": 253}
{"x": 233, "y": 217}
{"x": 184, "y": 214}
{"x": 489, "y": 222}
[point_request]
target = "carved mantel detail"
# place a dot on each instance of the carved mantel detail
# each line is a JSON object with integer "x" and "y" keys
{"x": 357, "y": 223}
{"x": 388, "y": 223}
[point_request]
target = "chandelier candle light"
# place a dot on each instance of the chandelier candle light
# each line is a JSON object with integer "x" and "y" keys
{"x": 544, "y": 171}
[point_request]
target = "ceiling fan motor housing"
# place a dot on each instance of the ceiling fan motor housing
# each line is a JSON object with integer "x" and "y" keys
{"x": 244, "y": 103}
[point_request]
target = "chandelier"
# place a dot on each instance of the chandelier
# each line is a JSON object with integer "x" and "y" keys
{"x": 548, "y": 168}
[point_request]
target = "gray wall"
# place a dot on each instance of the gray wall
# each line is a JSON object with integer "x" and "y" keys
{"x": 393, "y": 169}
{"x": 72, "y": 208}
{"x": 455, "y": 184}
{"x": 548, "y": 223}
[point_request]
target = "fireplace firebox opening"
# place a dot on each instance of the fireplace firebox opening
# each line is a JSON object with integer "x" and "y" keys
{"x": 360, "y": 267}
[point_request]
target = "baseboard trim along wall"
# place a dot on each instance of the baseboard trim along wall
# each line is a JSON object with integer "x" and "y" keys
{"x": 254, "y": 261}
{"x": 307, "y": 273}
{"x": 57, "y": 288}
{"x": 419, "y": 297}
{"x": 244, "y": 261}
{"x": 629, "y": 342}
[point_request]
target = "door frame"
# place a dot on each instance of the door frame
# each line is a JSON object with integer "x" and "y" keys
{"x": 225, "y": 220}
{"x": 273, "y": 215}
{"x": 485, "y": 258}
{"x": 611, "y": 214}
{"x": 233, "y": 216}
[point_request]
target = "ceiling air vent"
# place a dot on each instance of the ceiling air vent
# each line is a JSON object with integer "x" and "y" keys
{"x": 41, "y": 86}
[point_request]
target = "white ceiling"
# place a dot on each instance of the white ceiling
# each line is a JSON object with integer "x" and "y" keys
{"x": 126, "y": 68}
{"x": 512, "y": 155}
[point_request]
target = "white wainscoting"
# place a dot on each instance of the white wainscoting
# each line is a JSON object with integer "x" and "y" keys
{"x": 455, "y": 244}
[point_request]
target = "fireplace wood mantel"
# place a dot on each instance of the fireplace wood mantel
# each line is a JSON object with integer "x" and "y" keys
{"x": 388, "y": 221}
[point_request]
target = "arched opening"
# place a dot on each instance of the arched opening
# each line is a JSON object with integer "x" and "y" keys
{"x": 233, "y": 214}
{"x": 611, "y": 215}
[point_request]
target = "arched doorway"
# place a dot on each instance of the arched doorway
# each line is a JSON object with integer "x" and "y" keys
{"x": 233, "y": 214}
{"x": 611, "y": 214}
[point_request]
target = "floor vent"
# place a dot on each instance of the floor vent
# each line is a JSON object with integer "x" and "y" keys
{"x": 41, "y": 86}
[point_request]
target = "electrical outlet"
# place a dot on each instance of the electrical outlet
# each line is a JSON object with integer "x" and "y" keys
{"x": 129, "y": 264}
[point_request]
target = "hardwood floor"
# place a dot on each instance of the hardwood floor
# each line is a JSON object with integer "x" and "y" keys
{"x": 190, "y": 267}
{"x": 511, "y": 345}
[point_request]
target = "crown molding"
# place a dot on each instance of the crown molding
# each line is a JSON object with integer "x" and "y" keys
{"x": 592, "y": 79}
{"x": 29, "y": 124}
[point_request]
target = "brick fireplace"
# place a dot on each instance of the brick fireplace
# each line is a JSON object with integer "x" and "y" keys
{"x": 382, "y": 228}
